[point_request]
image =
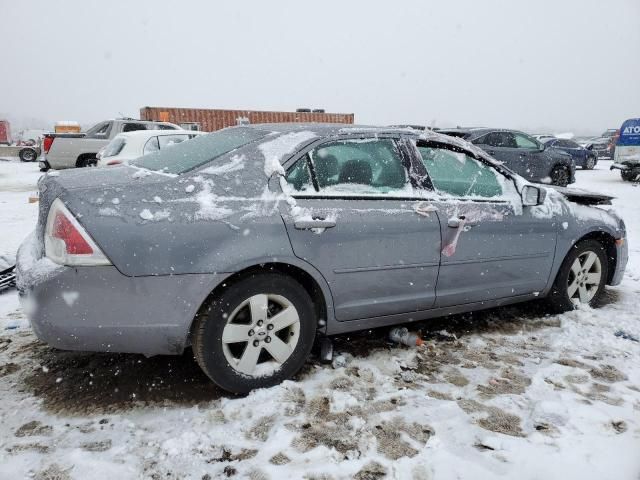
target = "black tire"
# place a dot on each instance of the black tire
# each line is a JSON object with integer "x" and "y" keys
{"x": 86, "y": 162}
{"x": 560, "y": 176}
{"x": 28, "y": 155}
{"x": 590, "y": 163}
{"x": 629, "y": 175}
{"x": 559, "y": 299}
{"x": 210, "y": 323}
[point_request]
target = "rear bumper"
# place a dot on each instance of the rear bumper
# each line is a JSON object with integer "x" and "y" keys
{"x": 625, "y": 166}
{"x": 99, "y": 309}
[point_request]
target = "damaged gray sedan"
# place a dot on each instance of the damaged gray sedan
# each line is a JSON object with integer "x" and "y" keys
{"x": 249, "y": 243}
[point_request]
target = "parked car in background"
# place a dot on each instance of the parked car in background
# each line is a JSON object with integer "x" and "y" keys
{"x": 71, "y": 150}
{"x": 521, "y": 153}
{"x": 222, "y": 242}
{"x": 131, "y": 145}
{"x": 600, "y": 146}
{"x": 543, "y": 136}
{"x": 583, "y": 157}
{"x": 612, "y": 136}
{"x": 627, "y": 155}
{"x": 5, "y": 132}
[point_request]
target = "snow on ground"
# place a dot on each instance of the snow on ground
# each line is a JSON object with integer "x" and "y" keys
{"x": 508, "y": 393}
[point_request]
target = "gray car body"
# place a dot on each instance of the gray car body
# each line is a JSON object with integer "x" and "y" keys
{"x": 381, "y": 264}
{"x": 68, "y": 149}
{"x": 534, "y": 165}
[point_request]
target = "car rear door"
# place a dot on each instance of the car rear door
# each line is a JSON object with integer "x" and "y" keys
{"x": 502, "y": 146}
{"x": 493, "y": 247}
{"x": 363, "y": 223}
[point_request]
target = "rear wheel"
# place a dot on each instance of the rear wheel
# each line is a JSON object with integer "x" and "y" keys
{"x": 256, "y": 333}
{"x": 560, "y": 176}
{"x": 28, "y": 155}
{"x": 86, "y": 162}
{"x": 581, "y": 278}
{"x": 629, "y": 175}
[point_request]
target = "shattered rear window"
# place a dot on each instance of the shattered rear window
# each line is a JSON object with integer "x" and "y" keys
{"x": 186, "y": 156}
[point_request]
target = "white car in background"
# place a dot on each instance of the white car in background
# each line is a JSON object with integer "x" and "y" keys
{"x": 131, "y": 145}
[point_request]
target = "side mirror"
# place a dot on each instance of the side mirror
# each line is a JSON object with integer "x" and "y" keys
{"x": 541, "y": 147}
{"x": 532, "y": 196}
{"x": 590, "y": 147}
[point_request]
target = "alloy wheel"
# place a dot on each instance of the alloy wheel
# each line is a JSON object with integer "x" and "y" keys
{"x": 584, "y": 278}
{"x": 261, "y": 334}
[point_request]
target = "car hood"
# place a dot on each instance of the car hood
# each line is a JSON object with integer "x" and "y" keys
{"x": 582, "y": 197}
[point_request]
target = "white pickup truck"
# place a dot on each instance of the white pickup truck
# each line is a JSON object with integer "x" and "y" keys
{"x": 71, "y": 150}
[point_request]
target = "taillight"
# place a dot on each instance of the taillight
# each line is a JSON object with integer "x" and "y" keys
{"x": 66, "y": 242}
{"x": 48, "y": 141}
{"x": 114, "y": 162}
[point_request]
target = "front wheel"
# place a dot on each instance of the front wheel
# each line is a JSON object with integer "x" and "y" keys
{"x": 560, "y": 176}
{"x": 590, "y": 163}
{"x": 581, "y": 278}
{"x": 629, "y": 175}
{"x": 258, "y": 332}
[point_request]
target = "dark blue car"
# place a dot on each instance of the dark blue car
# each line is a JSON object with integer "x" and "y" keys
{"x": 583, "y": 157}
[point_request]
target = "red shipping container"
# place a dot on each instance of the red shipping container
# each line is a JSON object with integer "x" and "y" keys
{"x": 209, "y": 120}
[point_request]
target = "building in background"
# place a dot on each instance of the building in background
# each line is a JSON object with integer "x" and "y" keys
{"x": 209, "y": 120}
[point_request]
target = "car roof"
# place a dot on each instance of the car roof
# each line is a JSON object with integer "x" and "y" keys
{"x": 156, "y": 133}
{"x": 325, "y": 129}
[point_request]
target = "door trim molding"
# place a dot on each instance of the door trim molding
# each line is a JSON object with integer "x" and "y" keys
{"x": 493, "y": 259}
{"x": 385, "y": 267}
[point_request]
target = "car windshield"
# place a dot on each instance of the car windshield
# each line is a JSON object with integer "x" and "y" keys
{"x": 189, "y": 155}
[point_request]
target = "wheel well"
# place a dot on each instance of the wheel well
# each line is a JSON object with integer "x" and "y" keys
{"x": 84, "y": 156}
{"x": 609, "y": 244}
{"x": 302, "y": 277}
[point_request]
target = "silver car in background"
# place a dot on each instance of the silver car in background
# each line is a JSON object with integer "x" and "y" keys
{"x": 250, "y": 242}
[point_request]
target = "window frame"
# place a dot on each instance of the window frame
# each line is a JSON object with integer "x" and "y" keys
{"x": 144, "y": 147}
{"x": 99, "y": 126}
{"x": 443, "y": 196}
{"x": 526, "y": 137}
{"x": 407, "y": 158}
{"x": 186, "y": 135}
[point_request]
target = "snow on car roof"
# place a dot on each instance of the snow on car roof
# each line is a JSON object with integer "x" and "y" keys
{"x": 158, "y": 133}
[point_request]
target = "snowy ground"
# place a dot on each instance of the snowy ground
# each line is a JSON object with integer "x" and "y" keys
{"x": 510, "y": 393}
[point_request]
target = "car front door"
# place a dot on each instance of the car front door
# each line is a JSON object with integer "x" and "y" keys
{"x": 533, "y": 160}
{"x": 362, "y": 222}
{"x": 492, "y": 246}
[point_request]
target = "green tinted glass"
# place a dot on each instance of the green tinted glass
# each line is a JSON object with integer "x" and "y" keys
{"x": 458, "y": 174}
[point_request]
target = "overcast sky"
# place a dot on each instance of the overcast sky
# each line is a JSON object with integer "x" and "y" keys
{"x": 534, "y": 65}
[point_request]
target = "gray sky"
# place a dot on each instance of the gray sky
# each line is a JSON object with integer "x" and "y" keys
{"x": 535, "y": 65}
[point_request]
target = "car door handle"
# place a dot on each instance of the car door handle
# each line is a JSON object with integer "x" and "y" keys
{"x": 315, "y": 223}
{"x": 460, "y": 222}
{"x": 491, "y": 152}
{"x": 424, "y": 209}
